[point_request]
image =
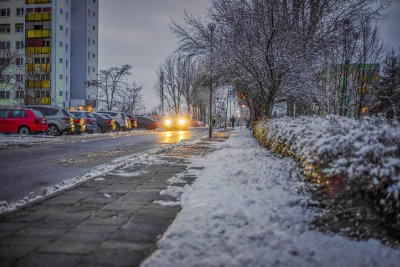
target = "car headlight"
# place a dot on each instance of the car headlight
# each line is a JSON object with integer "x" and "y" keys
{"x": 181, "y": 122}
{"x": 168, "y": 122}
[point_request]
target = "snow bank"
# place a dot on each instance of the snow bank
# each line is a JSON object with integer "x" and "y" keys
{"x": 243, "y": 210}
{"x": 363, "y": 155}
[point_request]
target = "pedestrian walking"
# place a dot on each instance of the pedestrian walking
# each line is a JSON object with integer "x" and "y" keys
{"x": 233, "y": 122}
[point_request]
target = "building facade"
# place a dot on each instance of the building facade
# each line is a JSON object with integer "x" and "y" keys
{"x": 41, "y": 31}
{"x": 84, "y": 52}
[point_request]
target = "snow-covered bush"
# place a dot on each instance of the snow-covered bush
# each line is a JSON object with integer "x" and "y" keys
{"x": 344, "y": 154}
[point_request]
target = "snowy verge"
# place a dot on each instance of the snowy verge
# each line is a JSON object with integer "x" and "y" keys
{"x": 243, "y": 210}
{"x": 362, "y": 156}
{"x": 151, "y": 157}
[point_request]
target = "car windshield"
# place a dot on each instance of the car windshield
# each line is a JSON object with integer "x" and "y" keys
{"x": 66, "y": 113}
{"x": 90, "y": 115}
{"x": 37, "y": 113}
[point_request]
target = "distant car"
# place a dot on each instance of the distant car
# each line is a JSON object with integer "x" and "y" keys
{"x": 176, "y": 122}
{"x": 59, "y": 120}
{"x": 90, "y": 120}
{"x": 121, "y": 122}
{"x": 132, "y": 119}
{"x": 147, "y": 122}
{"x": 22, "y": 121}
{"x": 79, "y": 124}
{"x": 104, "y": 122}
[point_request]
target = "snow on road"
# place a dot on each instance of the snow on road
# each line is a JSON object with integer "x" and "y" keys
{"x": 243, "y": 211}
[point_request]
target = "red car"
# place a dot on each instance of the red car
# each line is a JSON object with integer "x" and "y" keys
{"x": 22, "y": 121}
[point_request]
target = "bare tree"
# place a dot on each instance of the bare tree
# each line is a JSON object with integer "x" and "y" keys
{"x": 110, "y": 83}
{"x": 131, "y": 98}
{"x": 272, "y": 47}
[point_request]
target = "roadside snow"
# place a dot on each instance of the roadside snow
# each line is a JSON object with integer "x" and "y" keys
{"x": 115, "y": 167}
{"x": 243, "y": 211}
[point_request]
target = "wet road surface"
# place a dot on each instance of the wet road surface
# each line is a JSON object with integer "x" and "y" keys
{"x": 29, "y": 169}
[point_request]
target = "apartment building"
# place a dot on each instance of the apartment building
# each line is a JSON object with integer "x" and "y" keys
{"x": 41, "y": 31}
{"x": 84, "y": 52}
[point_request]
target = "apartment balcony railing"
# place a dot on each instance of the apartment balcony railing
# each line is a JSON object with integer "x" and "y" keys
{"x": 38, "y": 50}
{"x": 37, "y": 33}
{"x": 30, "y": 2}
{"x": 38, "y": 17}
{"x": 37, "y": 84}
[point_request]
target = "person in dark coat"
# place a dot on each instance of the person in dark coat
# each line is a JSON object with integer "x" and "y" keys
{"x": 233, "y": 122}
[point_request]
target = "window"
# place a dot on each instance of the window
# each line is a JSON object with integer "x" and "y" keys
{"x": 36, "y": 60}
{"x": 66, "y": 80}
{"x": 60, "y": 60}
{"x": 19, "y": 78}
{"x": 19, "y": 61}
{"x": 67, "y": 16}
{"x": 60, "y": 76}
{"x": 94, "y": 14}
{"x": 88, "y": 55}
{"x": 19, "y": 94}
{"x": 88, "y": 70}
{"x": 66, "y": 32}
{"x": 5, "y": 78}
{"x": 61, "y": 27}
{"x": 4, "y": 28}
{"x": 5, "y": 45}
{"x": 66, "y": 63}
{"x": 94, "y": 55}
{"x": 19, "y": 44}
{"x": 89, "y": 12}
{"x": 88, "y": 41}
{"x": 17, "y": 113}
{"x": 20, "y": 11}
{"x": 60, "y": 43}
{"x": 4, "y": 94}
{"x": 66, "y": 48}
{"x": 19, "y": 27}
{"x": 94, "y": 27}
{"x": 93, "y": 69}
{"x": 94, "y": 41}
{"x": 60, "y": 93}
{"x": 4, "y": 12}
{"x": 4, "y": 113}
{"x": 61, "y": 11}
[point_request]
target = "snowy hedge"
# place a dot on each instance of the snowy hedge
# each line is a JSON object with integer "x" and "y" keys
{"x": 345, "y": 155}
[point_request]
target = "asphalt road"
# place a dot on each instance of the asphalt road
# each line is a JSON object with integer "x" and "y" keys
{"x": 29, "y": 169}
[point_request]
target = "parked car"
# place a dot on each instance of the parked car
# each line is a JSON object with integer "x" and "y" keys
{"x": 59, "y": 120}
{"x": 80, "y": 125}
{"x": 90, "y": 120}
{"x": 177, "y": 122}
{"x": 104, "y": 122}
{"x": 121, "y": 122}
{"x": 22, "y": 121}
{"x": 147, "y": 122}
{"x": 132, "y": 119}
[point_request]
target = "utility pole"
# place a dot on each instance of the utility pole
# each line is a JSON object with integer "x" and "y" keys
{"x": 226, "y": 111}
{"x": 211, "y": 27}
{"x": 162, "y": 91}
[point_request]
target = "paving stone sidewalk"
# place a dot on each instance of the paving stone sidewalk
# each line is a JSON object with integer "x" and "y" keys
{"x": 108, "y": 221}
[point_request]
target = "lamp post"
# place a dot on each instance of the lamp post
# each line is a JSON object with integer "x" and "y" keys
{"x": 211, "y": 27}
{"x": 162, "y": 91}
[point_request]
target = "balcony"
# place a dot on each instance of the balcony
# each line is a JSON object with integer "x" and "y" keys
{"x": 38, "y": 50}
{"x": 31, "y": 2}
{"x": 37, "y": 33}
{"x": 38, "y": 17}
{"x": 37, "y": 84}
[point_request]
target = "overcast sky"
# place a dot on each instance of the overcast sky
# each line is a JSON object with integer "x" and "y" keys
{"x": 136, "y": 32}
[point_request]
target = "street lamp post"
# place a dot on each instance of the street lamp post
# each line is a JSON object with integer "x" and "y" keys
{"x": 162, "y": 91}
{"x": 211, "y": 27}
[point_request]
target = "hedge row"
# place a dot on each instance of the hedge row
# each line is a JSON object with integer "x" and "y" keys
{"x": 343, "y": 155}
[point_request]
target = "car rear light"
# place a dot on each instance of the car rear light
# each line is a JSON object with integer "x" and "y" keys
{"x": 88, "y": 120}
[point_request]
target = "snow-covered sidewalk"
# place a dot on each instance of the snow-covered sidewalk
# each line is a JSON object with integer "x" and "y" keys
{"x": 243, "y": 210}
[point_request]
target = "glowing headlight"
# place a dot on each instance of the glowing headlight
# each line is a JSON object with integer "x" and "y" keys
{"x": 181, "y": 122}
{"x": 168, "y": 122}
